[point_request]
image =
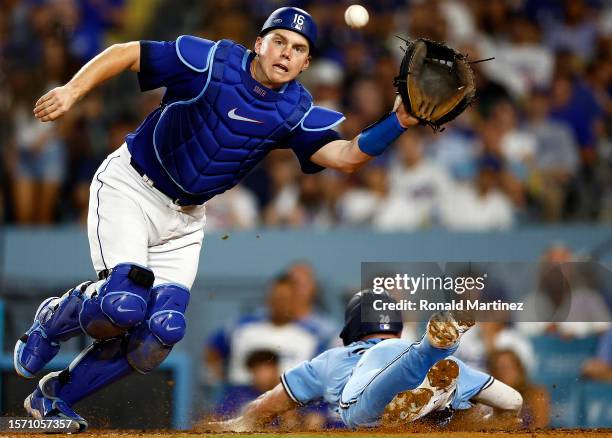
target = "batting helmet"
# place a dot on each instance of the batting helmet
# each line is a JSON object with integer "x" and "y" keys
{"x": 382, "y": 321}
{"x": 294, "y": 19}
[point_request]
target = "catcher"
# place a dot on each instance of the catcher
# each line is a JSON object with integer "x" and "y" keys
{"x": 225, "y": 108}
{"x": 378, "y": 379}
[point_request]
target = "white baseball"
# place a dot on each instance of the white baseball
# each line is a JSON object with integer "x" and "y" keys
{"x": 356, "y": 16}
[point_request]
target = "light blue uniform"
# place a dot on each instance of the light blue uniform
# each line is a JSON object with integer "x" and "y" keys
{"x": 359, "y": 380}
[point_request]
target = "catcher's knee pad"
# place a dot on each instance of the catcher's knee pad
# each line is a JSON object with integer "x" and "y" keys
{"x": 119, "y": 303}
{"x": 151, "y": 342}
{"x": 56, "y": 320}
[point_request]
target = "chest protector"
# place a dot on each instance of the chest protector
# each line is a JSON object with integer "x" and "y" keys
{"x": 207, "y": 144}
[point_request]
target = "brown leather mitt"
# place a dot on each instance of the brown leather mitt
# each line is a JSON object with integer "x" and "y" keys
{"x": 436, "y": 83}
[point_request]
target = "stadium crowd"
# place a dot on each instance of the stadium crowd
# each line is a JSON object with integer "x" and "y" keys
{"x": 536, "y": 147}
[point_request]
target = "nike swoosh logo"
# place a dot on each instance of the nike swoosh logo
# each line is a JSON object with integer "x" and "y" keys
{"x": 232, "y": 115}
{"x": 122, "y": 310}
{"x": 169, "y": 328}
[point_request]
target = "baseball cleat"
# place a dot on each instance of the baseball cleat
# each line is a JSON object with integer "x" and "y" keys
{"x": 433, "y": 394}
{"x": 42, "y": 405}
{"x": 444, "y": 329}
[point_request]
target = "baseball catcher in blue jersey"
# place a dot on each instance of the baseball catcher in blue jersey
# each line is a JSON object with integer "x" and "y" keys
{"x": 378, "y": 379}
{"x": 224, "y": 109}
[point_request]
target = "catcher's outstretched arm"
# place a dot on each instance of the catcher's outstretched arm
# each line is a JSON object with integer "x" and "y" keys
{"x": 350, "y": 155}
{"x": 259, "y": 412}
{"x": 109, "y": 63}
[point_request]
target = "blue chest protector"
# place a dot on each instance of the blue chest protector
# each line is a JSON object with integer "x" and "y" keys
{"x": 207, "y": 144}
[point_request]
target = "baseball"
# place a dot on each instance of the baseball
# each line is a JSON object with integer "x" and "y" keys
{"x": 356, "y": 16}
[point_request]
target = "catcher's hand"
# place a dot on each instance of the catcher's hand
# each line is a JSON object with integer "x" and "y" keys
{"x": 436, "y": 83}
{"x": 405, "y": 119}
{"x": 54, "y": 104}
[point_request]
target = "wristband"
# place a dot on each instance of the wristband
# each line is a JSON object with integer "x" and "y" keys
{"x": 379, "y": 136}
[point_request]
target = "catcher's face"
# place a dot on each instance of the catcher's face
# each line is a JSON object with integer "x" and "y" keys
{"x": 281, "y": 56}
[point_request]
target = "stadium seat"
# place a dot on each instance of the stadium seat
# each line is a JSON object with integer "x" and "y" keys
{"x": 559, "y": 359}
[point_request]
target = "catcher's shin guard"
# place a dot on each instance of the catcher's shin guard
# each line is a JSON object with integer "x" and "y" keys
{"x": 151, "y": 342}
{"x": 99, "y": 365}
{"x": 57, "y": 319}
{"x": 143, "y": 349}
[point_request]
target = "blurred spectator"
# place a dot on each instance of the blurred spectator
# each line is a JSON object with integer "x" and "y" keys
{"x": 360, "y": 204}
{"x": 564, "y": 303}
{"x": 310, "y": 204}
{"x": 517, "y": 146}
{"x": 480, "y": 208}
{"x": 574, "y": 104}
{"x": 493, "y": 18}
{"x": 93, "y": 19}
{"x": 577, "y": 32}
{"x": 506, "y": 366}
{"x": 417, "y": 185}
{"x": 235, "y": 209}
{"x": 426, "y": 20}
{"x": 235, "y": 25}
{"x": 263, "y": 366}
{"x": 504, "y": 158}
{"x": 521, "y": 61}
{"x": 385, "y": 71}
{"x": 487, "y": 337}
{"x": 366, "y": 104}
{"x": 41, "y": 150}
{"x": 324, "y": 80}
{"x": 306, "y": 289}
{"x": 489, "y": 89}
{"x": 456, "y": 150}
{"x": 600, "y": 366}
{"x": 458, "y": 13}
{"x": 556, "y": 158}
{"x": 357, "y": 60}
{"x": 282, "y": 170}
{"x": 276, "y": 329}
{"x": 89, "y": 139}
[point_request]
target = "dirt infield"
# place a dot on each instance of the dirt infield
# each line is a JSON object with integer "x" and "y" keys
{"x": 555, "y": 433}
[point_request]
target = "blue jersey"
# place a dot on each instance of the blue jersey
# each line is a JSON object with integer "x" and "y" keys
{"x": 325, "y": 376}
{"x": 215, "y": 122}
{"x": 341, "y": 375}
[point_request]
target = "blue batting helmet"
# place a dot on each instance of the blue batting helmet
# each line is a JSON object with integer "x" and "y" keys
{"x": 294, "y": 19}
{"x": 373, "y": 321}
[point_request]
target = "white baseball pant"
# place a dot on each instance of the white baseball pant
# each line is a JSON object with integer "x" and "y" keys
{"x": 130, "y": 221}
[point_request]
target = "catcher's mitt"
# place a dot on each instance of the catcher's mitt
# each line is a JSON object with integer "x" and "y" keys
{"x": 436, "y": 83}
